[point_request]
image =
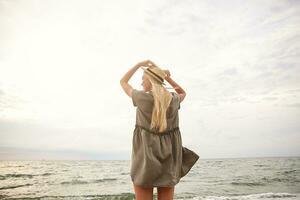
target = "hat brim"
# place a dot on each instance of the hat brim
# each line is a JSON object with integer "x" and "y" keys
{"x": 145, "y": 70}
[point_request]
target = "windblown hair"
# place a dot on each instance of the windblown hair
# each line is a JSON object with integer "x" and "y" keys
{"x": 162, "y": 100}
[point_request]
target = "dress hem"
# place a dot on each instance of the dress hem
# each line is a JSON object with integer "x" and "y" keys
{"x": 155, "y": 185}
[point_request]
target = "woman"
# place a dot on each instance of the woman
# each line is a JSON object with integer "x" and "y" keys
{"x": 158, "y": 158}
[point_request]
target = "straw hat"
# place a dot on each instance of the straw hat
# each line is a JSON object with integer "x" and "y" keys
{"x": 156, "y": 73}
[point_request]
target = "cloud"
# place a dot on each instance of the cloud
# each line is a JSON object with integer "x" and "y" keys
{"x": 61, "y": 64}
{"x": 53, "y": 137}
{"x": 296, "y": 105}
{"x": 11, "y": 153}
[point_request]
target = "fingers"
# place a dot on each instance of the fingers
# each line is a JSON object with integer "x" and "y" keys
{"x": 167, "y": 72}
{"x": 148, "y": 63}
{"x": 144, "y": 63}
{"x": 151, "y": 64}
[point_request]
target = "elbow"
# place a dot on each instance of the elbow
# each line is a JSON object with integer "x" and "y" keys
{"x": 123, "y": 83}
{"x": 182, "y": 93}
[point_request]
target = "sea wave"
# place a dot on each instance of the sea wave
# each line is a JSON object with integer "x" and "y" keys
{"x": 7, "y": 176}
{"x": 121, "y": 196}
{"x": 77, "y": 181}
{"x": 260, "y": 196}
{"x": 248, "y": 183}
{"x": 14, "y": 186}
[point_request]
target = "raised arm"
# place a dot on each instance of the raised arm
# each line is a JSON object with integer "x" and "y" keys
{"x": 177, "y": 88}
{"x": 124, "y": 80}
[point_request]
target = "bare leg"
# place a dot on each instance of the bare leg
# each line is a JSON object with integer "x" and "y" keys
{"x": 165, "y": 193}
{"x": 143, "y": 193}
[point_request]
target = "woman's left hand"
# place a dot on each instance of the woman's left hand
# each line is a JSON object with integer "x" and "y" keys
{"x": 146, "y": 63}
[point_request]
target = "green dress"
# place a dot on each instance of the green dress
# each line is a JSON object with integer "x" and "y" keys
{"x": 158, "y": 159}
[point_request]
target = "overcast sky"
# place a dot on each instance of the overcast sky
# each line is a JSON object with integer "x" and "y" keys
{"x": 61, "y": 62}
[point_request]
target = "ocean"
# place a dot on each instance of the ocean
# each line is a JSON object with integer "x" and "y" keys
{"x": 209, "y": 179}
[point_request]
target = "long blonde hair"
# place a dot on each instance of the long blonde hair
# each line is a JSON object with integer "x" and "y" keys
{"x": 162, "y": 100}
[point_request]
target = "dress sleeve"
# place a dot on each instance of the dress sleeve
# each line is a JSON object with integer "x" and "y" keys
{"x": 138, "y": 97}
{"x": 178, "y": 101}
{"x": 177, "y": 98}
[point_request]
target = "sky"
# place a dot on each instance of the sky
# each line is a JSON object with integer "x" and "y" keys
{"x": 61, "y": 62}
